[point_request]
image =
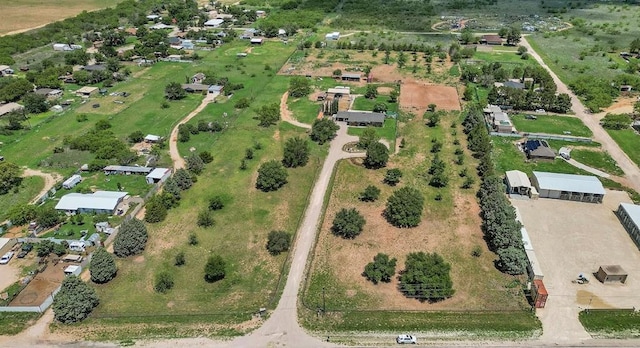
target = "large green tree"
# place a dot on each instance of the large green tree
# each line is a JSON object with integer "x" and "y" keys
{"x": 155, "y": 209}
{"x": 404, "y": 207}
{"x": 271, "y": 176}
{"x": 296, "y": 153}
{"x": 102, "y": 267}
{"x": 75, "y": 300}
{"x": 426, "y": 277}
{"x": 348, "y": 223}
{"x": 377, "y": 156}
{"x": 299, "y": 86}
{"x": 9, "y": 177}
{"x": 215, "y": 269}
{"x": 323, "y": 130}
{"x": 369, "y": 136}
{"x": 381, "y": 269}
{"x": 268, "y": 114}
{"x": 278, "y": 241}
{"x": 174, "y": 91}
{"x": 35, "y": 103}
{"x": 131, "y": 238}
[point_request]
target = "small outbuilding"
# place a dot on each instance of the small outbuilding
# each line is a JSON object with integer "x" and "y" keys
{"x": 518, "y": 183}
{"x": 351, "y": 77}
{"x": 491, "y": 40}
{"x": 72, "y": 181}
{"x": 6, "y": 244}
{"x": 87, "y": 91}
{"x": 73, "y": 270}
{"x": 611, "y": 274}
{"x": 151, "y": 138}
{"x": 257, "y": 41}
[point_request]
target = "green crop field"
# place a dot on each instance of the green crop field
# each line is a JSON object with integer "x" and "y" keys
{"x": 628, "y": 141}
{"x": 551, "y": 124}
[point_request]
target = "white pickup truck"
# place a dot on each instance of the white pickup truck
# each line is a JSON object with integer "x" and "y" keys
{"x": 6, "y": 257}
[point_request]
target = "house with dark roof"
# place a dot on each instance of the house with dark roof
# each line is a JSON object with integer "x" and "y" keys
{"x": 538, "y": 149}
{"x": 49, "y": 93}
{"x": 491, "y": 40}
{"x": 513, "y": 84}
{"x": 360, "y": 118}
{"x": 95, "y": 67}
{"x": 351, "y": 77}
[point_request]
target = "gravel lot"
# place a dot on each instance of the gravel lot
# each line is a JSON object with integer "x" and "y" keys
{"x": 571, "y": 238}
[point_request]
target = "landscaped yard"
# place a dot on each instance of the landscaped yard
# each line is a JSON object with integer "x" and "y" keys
{"x": 551, "y": 124}
{"x": 387, "y": 131}
{"x": 303, "y": 109}
{"x": 365, "y": 104}
{"x": 628, "y": 141}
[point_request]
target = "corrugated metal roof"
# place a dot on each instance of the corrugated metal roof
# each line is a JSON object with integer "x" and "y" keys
{"x": 351, "y": 76}
{"x": 535, "y": 265}
{"x": 569, "y": 182}
{"x": 517, "y": 178}
{"x": 128, "y": 169}
{"x": 633, "y": 211}
{"x": 361, "y": 116}
{"x": 102, "y": 200}
{"x": 9, "y": 107}
{"x": 158, "y": 173}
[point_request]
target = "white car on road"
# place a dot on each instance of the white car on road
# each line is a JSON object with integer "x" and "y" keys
{"x": 6, "y": 257}
{"x": 406, "y": 339}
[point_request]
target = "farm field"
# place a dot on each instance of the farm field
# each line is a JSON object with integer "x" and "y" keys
{"x": 551, "y": 124}
{"x": 628, "y": 141}
{"x": 27, "y": 14}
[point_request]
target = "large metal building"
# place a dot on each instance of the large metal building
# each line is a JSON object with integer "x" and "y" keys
{"x": 629, "y": 215}
{"x": 580, "y": 188}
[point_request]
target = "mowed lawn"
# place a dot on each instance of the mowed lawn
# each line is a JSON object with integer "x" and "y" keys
{"x": 129, "y": 305}
{"x": 449, "y": 226}
{"x": 25, "y": 14}
{"x": 628, "y": 141}
{"x": 551, "y": 124}
{"x": 597, "y": 159}
{"x": 388, "y": 131}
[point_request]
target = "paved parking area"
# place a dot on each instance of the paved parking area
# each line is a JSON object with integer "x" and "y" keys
{"x": 571, "y": 238}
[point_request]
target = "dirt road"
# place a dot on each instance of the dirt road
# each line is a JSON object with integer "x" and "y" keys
{"x": 285, "y": 113}
{"x": 178, "y": 161}
{"x": 630, "y": 169}
{"x": 50, "y": 180}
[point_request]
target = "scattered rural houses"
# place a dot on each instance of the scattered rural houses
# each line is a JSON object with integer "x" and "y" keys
{"x": 72, "y": 182}
{"x": 491, "y": 40}
{"x": 580, "y": 188}
{"x": 538, "y": 149}
{"x": 351, "y": 77}
{"x": 9, "y": 108}
{"x": 151, "y": 138}
{"x": 87, "y": 91}
{"x": 333, "y": 36}
{"x": 498, "y": 120}
{"x": 49, "y": 93}
{"x": 214, "y": 23}
{"x": 158, "y": 175}
{"x": 99, "y": 202}
{"x": 611, "y": 274}
{"x": 360, "y": 118}
{"x": 126, "y": 170}
{"x": 629, "y": 215}
{"x": 518, "y": 183}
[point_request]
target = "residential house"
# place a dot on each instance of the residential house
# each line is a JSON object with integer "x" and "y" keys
{"x": 360, "y": 118}
{"x": 213, "y": 23}
{"x": 198, "y": 78}
{"x": 99, "y": 202}
{"x": 491, "y": 40}
{"x": 6, "y": 70}
{"x": 333, "y": 36}
{"x": 87, "y": 91}
{"x": 538, "y": 149}
{"x": 49, "y": 93}
{"x": 160, "y": 26}
{"x": 9, "y": 108}
{"x": 215, "y": 89}
{"x": 338, "y": 91}
{"x": 195, "y": 87}
{"x": 498, "y": 120}
{"x": 513, "y": 84}
{"x": 188, "y": 45}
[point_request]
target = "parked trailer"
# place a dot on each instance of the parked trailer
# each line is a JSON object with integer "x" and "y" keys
{"x": 539, "y": 293}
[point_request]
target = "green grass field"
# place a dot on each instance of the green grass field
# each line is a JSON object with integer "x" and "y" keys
{"x": 27, "y": 191}
{"x": 388, "y": 131}
{"x": 503, "y": 57}
{"x": 13, "y": 323}
{"x": 597, "y": 159}
{"x": 628, "y": 141}
{"x": 303, "y": 109}
{"x": 619, "y": 324}
{"x": 362, "y": 103}
{"x": 551, "y": 124}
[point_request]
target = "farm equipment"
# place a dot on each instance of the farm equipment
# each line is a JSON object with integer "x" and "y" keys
{"x": 581, "y": 279}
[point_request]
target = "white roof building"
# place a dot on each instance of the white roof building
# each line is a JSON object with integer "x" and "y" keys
{"x": 584, "y": 188}
{"x": 214, "y": 23}
{"x": 99, "y": 201}
{"x": 158, "y": 175}
{"x": 151, "y": 138}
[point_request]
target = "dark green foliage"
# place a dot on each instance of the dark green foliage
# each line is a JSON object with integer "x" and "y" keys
{"x": 9, "y": 177}
{"x": 102, "y": 125}
{"x": 370, "y": 194}
{"x": 372, "y": 92}
{"x": 102, "y": 267}
{"x": 216, "y": 203}
{"x": 205, "y": 156}
{"x": 44, "y": 248}
{"x": 476, "y": 251}
{"x": 132, "y": 238}
{"x": 271, "y": 176}
{"x": 511, "y": 260}
{"x": 155, "y": 210}
{"x": 248, "y": 153}
{"x": 436, "y": 146}
{"x": 193, "y": 239}
{"x": 404, "y": 208}
{"x": 268, "y": 114}
{"x": 377, "y": 156}
{"x": 35, "y": 103}
{"x": 299, "y": 86}
{"x": 392, "y": 177}
{"x": 438, "y": 174}
{"x": 47, "y": 216}
{"x": 179, "y": 260}
{"x": 380, "y": 107}
{"x": 60, "y": 248}
{"x": 426, "y": 277}
{"x": 323, "y": 130}
{"x": 136, "y": 137}
{"x": 242, "y": 103}
{"x": 184, "y": 133}
{"x": 205, "y": 219}
{"x": 183, "y": 179}
{"x": 195, "y": 164}
{"x": 174, "y": 91}
{"x": 616, "y": 121}
{"x": 75, "y": 301}
{"x": 468, "y": 182}
{"x": 243, "y": 164}
{"x": 215, "y": 269}
{"x": 348, "y": 223}
{"x": 433, "y": 118}
{"x": 296, "y": 153}
{"x": 278, "y": 241}
{"x": 381, "y": 269}
{"x": 369, "y": 136}
{"x": 164, "y": 282}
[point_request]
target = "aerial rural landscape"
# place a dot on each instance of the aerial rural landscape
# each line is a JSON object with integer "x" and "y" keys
{"x": 317, "y": 173}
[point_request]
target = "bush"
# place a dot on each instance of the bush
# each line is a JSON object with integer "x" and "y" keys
{"x": 193, "y": 239}
{"x": 136, "y": 137}
{"x": 271, "y": 176}
{"x": 299, "y": 86}
{"x": 216, "y": 203}
{"x": 195, "y": 164}
{"x": 296, "y": 153}
{"x": 476, "y": 251}
{"x": 242, "y": 103}
{"x": 248, "y": 153}
{"x": 381, "y": 269}
{"x": 404, "y": 208}
{"x": 164, "y": 282}
{"x": 348, "y": 223}
{"x": 132, "y": 238}
{"x": 205, "y": 219}
{"x": 214, "y": 270}
{"x": 392, "y": 177}
{"x": 206, "y": 157}
{"x": 370, "y": 194}
{"x": 102, "y": 267}
{"x": 377, "y": 156}
{"x": 369, "y": 136}
{"x": 426, "y": 277}
{"x": 82, "y": 117}
{"x": 183, "y": 179}
{"x": 155, "y": 210}
{"x": 511, "y": 260}
{"x": 323, "y": 130}
{"x": 179, "y": 260}
{"x": 616, "y": 122}
{"x": 75, "y": 301}
{"x": 278, "y": 241}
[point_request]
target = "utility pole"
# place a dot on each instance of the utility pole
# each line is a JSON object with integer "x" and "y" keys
{"x": 324, "y": 304}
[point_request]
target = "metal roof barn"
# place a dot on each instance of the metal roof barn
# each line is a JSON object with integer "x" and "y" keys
{"x": 582, "y": 188}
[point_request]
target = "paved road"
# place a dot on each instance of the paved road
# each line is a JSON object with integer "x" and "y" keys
{"x": 630, "y": 169}
{"x": 178, "y": 161}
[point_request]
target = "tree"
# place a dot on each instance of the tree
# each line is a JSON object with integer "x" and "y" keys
{"x": 466, "y": 36}
{"x": 102, "y": 267}
{"x": 372, "y": 92}
{"x": 369, "y": 136}
{"x": 75, "y": 300}
{"x": 522, "y": 50}
{"x": 132, "y": 238}
{"x": 44, "y": 248}
{"x": 511, "y": 260}
{"x": 174, "y": 91}
{"x": 183, "y": 179}
{"x": 296, "y": 153}
{"x": 323, "y": 130}
{"x": 9, "y": 177}
{"x": 513, "y": 36}
{"x": 392, "y": 177}
{"x": 195, "y": 164}
{"x": 433, "y": 118}
{"x": 503, "y": 32}
{"x": 136, "y": 137}
{"x": 393, "y": 96}
{"x": 380, "y": 107}
{"x": 47, "y": 217}
{"x": 370, "y": 194}
{"x": 214, "y": 270}
{"x": 299, "y": 86}
{"x": 216, "y": 203}
{"x": 271, "y": 176}
{"x": 179, "y": 259}
{"x": 337, "y": 72}
{"x": 426, "y": 277}
{"x": 155, "y": 210}
{"x": 102, "y": 125}
{"x": 634, "y": 47}
{"x": 164, "y": 282}
{"x": 348, "y": 223}
{"x": 381, "y": 269}
{"x": 206, "y": 157}
{"x": 278, "y": 241}
{"x": 268, "y": 114}
{"x": 377, "y": 156}
{"x": 616, "y": 121}
{"x": 35, "y": 103}
{"x": 437, "y": 172}
{"x": 205, "y": 219}
{"x": 636, "y": 108}
{"x": 248, "y": 153}
{"x": 404, "y": 208}
{"x": 402, "y": 59}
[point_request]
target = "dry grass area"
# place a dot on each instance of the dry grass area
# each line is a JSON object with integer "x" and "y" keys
{"x": 415, "y": 96}
{"x": 28, "y": 14}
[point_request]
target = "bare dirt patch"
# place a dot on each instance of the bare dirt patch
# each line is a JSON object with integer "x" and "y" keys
{"x": 623, "y": 105}
{"x": 416, "y": 96}
{"x": 41, "y": 286}
{"x": 384, "y": 90}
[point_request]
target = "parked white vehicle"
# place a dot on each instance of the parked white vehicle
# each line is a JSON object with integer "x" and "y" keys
{"x": 6, "y": 257}
{"x": 406, "y": 339}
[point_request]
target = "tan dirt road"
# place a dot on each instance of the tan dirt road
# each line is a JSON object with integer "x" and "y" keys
{"x": 178, "y": 161}
{"x": 285, "y": 113}
{"x": 50, "y": 180}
